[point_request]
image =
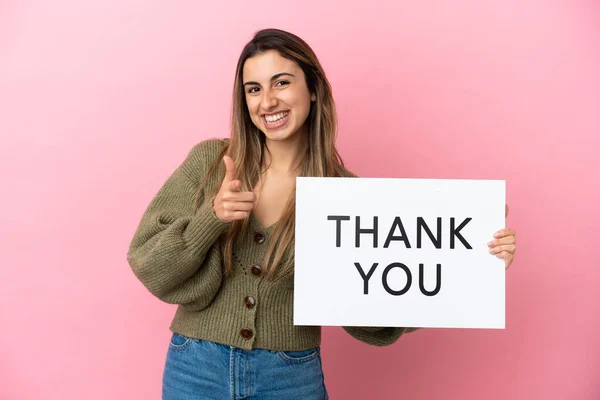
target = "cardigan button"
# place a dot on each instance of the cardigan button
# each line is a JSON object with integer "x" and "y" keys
{"x": 246, "y": 333}
{"x": 256, "y": 270}
{"x": 249, "y": 302}
{"x": 259, "y": 238}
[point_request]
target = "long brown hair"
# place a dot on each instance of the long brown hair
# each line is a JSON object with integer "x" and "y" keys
{"x": 247, "y": 144}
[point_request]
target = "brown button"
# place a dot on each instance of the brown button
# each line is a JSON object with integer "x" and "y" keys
{"x": 256, "y": 270}
{"x": 259, "y": 238}
{"x": 246, "y": 333}
{"x": 249, "y": 302}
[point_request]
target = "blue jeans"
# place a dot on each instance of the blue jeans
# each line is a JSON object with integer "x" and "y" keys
{"x": 200, "y": 369}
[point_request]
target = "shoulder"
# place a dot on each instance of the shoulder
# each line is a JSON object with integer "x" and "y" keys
{"x": 202, "y": 156}
{"x": 206, "y": 152}
{"x": 208, "y": 149}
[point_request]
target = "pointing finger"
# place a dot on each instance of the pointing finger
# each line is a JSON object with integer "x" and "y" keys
{"x": 234, "y": 186}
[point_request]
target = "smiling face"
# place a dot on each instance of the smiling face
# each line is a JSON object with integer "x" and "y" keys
{"x": 277, "y": 96}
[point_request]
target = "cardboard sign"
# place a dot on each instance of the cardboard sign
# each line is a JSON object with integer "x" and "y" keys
{"x": 398, "y": 253}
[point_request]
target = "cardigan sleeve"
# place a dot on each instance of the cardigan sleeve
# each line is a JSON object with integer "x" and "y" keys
{"x": 174, "y": 239}
{"x": 377, "y": 336}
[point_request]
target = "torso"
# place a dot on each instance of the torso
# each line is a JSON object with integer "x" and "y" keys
{"x": 273, "y": 194}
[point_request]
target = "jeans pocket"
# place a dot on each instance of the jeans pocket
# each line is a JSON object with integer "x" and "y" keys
{"x": 299, "y": 357}
{"x": 179, "y": 342}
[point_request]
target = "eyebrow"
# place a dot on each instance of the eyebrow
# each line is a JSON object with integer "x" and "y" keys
{"x": 274, "y": 77}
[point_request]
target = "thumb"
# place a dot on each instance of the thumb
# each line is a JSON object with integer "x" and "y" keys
{"x": 505, "y": 210}
{"x": 230, "y": 172}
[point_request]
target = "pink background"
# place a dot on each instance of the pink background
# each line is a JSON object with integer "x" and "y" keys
{"x": 100, "y": 101}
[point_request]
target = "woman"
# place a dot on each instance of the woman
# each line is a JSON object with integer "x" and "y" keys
{"x": 217, "y": 239}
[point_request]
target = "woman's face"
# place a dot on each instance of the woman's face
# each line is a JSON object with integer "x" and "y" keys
{"x": 277, "y": 96}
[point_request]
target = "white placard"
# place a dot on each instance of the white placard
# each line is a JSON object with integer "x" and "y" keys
{"x": 342, "y": 282}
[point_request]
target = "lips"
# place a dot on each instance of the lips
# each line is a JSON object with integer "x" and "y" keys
{"x": 276, "y": 120}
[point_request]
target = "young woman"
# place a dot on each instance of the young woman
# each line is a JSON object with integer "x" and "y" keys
{"x": 218, "y": 237}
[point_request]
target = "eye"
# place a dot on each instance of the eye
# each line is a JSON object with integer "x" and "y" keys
{"x": 252, "y": 90}
{"x": 283, "y": 83}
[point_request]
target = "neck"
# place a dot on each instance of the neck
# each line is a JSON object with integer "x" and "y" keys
{"x": 284, "y": 156}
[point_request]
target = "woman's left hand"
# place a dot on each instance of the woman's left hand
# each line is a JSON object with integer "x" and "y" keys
{"x": 505, "y": 244}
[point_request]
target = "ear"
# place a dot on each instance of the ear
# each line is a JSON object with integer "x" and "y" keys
{"x": 313, "y": 97}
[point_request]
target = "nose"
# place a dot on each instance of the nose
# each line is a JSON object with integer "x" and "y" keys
{"x": 269, "y": 100}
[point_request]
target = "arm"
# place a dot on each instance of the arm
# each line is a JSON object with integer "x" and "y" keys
{"x": 172, "y": 241}
{"x": 377, "y": 336}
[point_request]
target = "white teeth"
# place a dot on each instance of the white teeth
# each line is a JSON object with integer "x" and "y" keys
{"x": 276, "y": 117}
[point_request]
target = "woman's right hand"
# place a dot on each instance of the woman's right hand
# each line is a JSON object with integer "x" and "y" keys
{"x": 231, "y": 203}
